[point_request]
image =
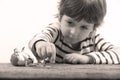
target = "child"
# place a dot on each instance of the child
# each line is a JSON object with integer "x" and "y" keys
{"x": 73, "y": 38}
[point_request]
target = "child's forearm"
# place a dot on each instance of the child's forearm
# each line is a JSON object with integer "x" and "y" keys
{"x": 86, "y": 59}
{"x": 76, "y": 58}
{"x": 106, "y": 57}
{"x": 91, "y": 59}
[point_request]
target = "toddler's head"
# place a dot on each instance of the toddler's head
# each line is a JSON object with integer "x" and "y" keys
{"x": 78, "y": 18}
{"x": 92, "y": 11}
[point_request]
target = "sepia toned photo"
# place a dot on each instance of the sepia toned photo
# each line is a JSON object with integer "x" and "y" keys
{"x": 59, "y": 39}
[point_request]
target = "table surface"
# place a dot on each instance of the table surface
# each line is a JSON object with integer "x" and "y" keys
{"x": 60, "y": 71}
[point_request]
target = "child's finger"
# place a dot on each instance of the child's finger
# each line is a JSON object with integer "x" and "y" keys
{"x": 43, "y": 52}
{"x": 49, "y": 51}
{"x": 74, "y": 61}
{"x": 39, "y": 53}
{"x": 68, "y": 58}
{"x": 53, "y": 55}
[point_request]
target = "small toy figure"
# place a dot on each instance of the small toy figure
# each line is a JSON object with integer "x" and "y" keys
{"x": 20, "y": 58}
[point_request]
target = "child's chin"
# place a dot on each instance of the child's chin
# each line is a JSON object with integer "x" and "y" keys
{"x": 72, "y": 41}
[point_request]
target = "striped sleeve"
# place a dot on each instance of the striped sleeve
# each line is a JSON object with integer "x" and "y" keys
{"x": 105, "y": 53}
{"x": 101, "y": 44}
{"x": 49, "y": 33}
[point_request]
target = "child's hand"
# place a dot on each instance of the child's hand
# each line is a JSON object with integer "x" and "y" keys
{"x": 75, "y": 58}
{"x": 46, "y": 50}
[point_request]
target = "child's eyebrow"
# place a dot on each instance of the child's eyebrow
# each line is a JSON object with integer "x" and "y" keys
{"x": 87, "y": 25}
{"x": 70, "y": 19}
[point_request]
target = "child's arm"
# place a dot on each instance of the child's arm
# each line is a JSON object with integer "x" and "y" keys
{"x": 76, "y": 58}
{"x": 105, "y": 52}
{"x": 47, "y": 35}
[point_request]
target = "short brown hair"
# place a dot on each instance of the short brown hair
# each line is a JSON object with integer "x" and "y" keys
{"x": 93, "y": 11}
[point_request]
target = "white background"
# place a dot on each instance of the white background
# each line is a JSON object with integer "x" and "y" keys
{"x": 21, "y": 19}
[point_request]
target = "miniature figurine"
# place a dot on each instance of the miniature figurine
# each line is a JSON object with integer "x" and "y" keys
{"x": 20, "y": 58}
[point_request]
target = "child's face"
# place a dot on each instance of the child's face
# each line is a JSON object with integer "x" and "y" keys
{"x": 74, "y": 31}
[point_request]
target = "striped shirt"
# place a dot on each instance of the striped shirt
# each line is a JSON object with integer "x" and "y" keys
{"x": 95, "y": 46}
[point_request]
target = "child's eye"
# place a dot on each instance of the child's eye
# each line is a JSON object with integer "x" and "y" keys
{"x": 69, "y": 22}
{"x": 84, "y": 27}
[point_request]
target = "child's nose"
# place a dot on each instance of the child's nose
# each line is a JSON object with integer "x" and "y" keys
{"x": 72, "y": 31}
